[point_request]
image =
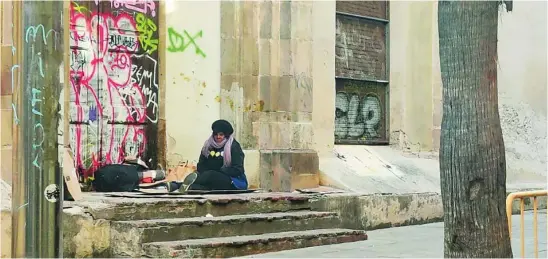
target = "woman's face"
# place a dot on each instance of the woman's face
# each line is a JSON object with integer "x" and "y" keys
{"x": 219, "y": 137}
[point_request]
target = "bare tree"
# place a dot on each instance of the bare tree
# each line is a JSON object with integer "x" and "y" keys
{"x": 472, "y": 158}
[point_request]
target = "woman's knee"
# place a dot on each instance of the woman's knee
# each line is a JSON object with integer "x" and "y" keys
{"x": 206, "y": 176}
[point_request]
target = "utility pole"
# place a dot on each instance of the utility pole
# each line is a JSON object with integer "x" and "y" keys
{"x": 38, "y": 182}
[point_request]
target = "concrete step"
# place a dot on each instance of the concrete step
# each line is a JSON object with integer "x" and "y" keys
{"x": 223, "y": 247}
{"x": 128, "y": 235}
{"x": 131, "y": 206}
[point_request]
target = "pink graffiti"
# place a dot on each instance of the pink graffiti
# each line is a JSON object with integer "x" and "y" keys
{"x": 103, "y": 91}
{"x": 143, "y": 6}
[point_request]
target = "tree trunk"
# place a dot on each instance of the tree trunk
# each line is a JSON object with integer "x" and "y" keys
{"x": 472, "y": 159}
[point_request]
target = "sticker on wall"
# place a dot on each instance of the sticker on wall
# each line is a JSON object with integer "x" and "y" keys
{"x": 51, "y": 193}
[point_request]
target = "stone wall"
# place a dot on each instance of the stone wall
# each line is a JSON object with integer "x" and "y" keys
{"x": 267, "y": 85}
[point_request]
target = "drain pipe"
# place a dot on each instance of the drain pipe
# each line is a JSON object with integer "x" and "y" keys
{"x": 37, "y": 179}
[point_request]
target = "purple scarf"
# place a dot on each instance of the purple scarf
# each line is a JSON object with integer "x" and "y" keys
{"x": 226, "y": 144}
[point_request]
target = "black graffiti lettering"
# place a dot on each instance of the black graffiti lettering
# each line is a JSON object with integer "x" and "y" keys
{"x": 117, "y": 40}
{"x": 357, "y": 117}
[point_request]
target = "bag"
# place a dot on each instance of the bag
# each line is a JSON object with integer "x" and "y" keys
{"x": 117, "y": 178}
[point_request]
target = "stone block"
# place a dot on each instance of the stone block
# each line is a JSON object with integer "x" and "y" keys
{"x": 84, "y": 237}
{"x": 230, "y": 56}
{"x": 249, "y": 56}
{"x": 251, "y": 165}
{"x": 228, "y": 19}
{"x": 301, "y": 13}
{"x": 285, "y": 93}
{"x": 376, "y": 211}
{"x": 302, "y": 135}
{"x": 281, "y": 170}
{"x": 6, "y": 123}
{"x": 265, "y": 15}
{"x": 276, "y": 24}
{"x": 285, "y": 20}
{"x": 302, "y": 58}
{"x": 5, "y": 235}
{"x": 250, "y": 23}
{"x": 265, "y": 92}
{"x": 285, "y": 55}
{"x": 6, "y": 160}
{"x": 275, "y": 67}
{"x": 264, "y": 57}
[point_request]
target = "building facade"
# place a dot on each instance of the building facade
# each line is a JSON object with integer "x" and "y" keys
{"x": 295, "y": 78}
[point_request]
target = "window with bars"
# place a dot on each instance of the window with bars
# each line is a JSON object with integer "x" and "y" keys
{"x": 361, "y": 72}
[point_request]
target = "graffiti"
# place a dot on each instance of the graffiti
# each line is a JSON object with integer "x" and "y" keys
{"x": 148, "y": 82}
{"x": 304, "y": 82}
{"x": 179, "y": 43}
{"x": 116, "y": 41}
{"x": 114, "y": 89}
{"x": 33, "y": 31}
{"x": 146, "y": 28}
{"x": 80, "y": 9}
{"x": 13, "y": 75}
{"x": 35, "y": 75}
{"x": 341, "y": 44}
{"x": 142, "y": 6}
{"x": 357, "y": 117}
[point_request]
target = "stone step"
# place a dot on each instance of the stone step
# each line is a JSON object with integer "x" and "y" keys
{"x": 223, "y": 247}
{"x": 131, "y": 206}
{"x": 128, "y": 235}
{"x": 204, "y": 227}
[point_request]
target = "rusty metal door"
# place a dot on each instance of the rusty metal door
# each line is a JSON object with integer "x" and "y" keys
{"x": 114, "y": 81}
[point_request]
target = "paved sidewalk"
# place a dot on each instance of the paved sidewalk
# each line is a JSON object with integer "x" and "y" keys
{"x": 421, "y": 241}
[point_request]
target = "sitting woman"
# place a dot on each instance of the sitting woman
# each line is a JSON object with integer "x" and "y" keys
{"x": 221, "y": 163}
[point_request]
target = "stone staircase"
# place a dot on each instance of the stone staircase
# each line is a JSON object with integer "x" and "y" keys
{"x": 240, "y": 225}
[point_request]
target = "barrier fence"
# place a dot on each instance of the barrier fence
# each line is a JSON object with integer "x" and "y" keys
{"x": 509, "y": 207}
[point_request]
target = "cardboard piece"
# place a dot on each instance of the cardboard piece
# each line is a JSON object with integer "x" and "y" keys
{"x": 70, "y": 176}
{"x": 152, "y": 192}
{"x": 180, "y": 172}
{"x": 177, "y": 174}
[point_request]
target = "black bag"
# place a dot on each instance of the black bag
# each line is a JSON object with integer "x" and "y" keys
{"x": 117, "y": 178}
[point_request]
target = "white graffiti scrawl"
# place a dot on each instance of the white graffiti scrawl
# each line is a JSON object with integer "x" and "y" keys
{"x": 357, "y": 117}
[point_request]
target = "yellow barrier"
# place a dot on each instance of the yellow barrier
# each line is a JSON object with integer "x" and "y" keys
{"x": 509, "y": 202}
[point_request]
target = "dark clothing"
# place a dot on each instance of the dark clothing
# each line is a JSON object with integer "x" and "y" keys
{"x": 118, "y": 178}
{"x": 212, "y": 180}
{"x": 214, "y": 162}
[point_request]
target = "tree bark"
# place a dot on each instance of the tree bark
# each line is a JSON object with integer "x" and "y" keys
{"x": 472, "y": 158}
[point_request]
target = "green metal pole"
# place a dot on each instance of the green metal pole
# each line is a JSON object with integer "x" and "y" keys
{"x": 42, "y": 48}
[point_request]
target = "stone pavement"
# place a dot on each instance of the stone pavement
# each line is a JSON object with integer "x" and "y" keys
{"x": 421, "y": 241}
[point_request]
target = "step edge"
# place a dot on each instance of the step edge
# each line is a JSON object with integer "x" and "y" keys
{"x": 179, "y": 244}
{"x": 167, "y": 222}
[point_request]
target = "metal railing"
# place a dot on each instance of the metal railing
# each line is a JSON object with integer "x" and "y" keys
{"x": 509, "y": 208}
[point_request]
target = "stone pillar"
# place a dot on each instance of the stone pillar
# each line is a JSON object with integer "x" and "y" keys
{"x": 266, "y": 90}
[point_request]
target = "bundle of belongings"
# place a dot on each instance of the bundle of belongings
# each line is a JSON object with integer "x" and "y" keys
{"x": 133, "y": 174}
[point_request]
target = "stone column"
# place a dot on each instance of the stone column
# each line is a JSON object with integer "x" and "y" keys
{"x": 266, "y": 90}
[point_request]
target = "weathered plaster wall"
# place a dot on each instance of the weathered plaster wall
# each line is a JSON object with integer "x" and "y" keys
{"x": 522, "y": 90}
{"x": 323, "y": 71}
{"x": 8, "y": 74}
{"x": 413, "y": 75}
{"x": 192, "y": 76}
